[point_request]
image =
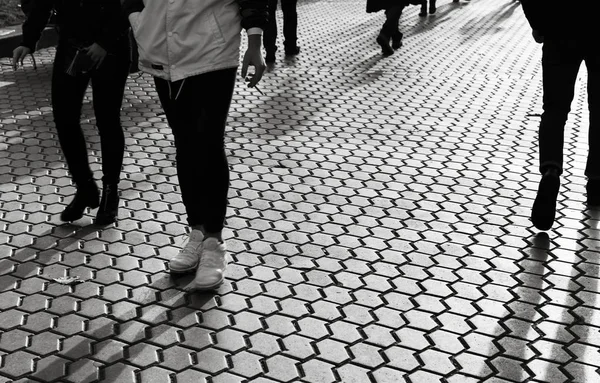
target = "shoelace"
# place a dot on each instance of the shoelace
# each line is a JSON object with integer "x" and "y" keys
{"x": 189, "y": 249}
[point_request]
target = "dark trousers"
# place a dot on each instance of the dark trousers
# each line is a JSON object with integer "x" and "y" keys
{"x": 108, "y": 86}
{"x": 392, "y": 19}
{"x": 290, "y": 26}
{"x": 561, "y": 60}
{"x": 196, "y": 109}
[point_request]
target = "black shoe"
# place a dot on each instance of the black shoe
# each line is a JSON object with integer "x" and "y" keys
{"x": 384, "y": 42}
{"x": 544, "y": 207}
{"x": 423, "y": 12}
{"x": 432, "y": 10}
{"x": 270, "y": 57}
{"x": 87, "y": 195}
{"x": 593, "y": 193}
{"x": 109, "y": 205}
{"x": 292, "y": 51}
{"x": 397, "y": 40}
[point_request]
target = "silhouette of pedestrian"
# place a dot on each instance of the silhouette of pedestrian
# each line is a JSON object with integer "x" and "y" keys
{"x": 93, "y": 46}
{"x": 290, "y": 29}
{"x": 389, "y": 30}
{"x": 432, "y": 8}
{"x": 568, "y": 37}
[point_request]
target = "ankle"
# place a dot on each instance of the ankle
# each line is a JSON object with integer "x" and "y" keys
{"x": 551, "y": 171}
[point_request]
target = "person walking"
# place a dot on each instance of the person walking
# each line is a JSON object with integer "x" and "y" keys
{"x": 290, "y": 29}
{"x": 390, "y": 29}
{"x": 92, "y": 46}
{"x": 432, "y": 8}
{"x": 194, "y": 58}
{"x": 569, "y": 38}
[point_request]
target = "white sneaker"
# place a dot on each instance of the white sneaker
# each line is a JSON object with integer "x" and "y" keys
{"x": 211, "y": 271}
{"x": 188, "y": 258}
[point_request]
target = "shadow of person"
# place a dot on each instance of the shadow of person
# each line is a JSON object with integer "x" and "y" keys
{"x": 138, "y": 328}
{"x": 583, "y": 328}
{"x": 494, "y": 18}
{"x": 525, "y": 312}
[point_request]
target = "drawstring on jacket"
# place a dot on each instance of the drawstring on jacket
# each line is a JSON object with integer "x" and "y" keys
{"x": 179, "y": 91}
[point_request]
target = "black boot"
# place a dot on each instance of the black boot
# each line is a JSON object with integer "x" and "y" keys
{"x": 87, "y": 195}
{"x": 593, "y": 192}
{"x": 397, "y": 40}
{"x": 384, "y": 42}
{"x": 432, "y": 7}
{"x": 109, "y": 205}
{"x": 544, "y": 207}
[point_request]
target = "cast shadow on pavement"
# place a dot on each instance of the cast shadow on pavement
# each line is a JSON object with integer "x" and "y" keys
{"x": 53, "y": 255}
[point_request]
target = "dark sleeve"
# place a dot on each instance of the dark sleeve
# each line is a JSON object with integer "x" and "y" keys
{"x": 534, "y": 11}
{"x": 255, "y": 13}
{"x": 36, "y": 22}
{"x": 116, "y": 26}
{"x": 132, "y": 6}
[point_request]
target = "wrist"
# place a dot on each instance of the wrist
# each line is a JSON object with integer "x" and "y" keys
{"x": 254, "y": 41}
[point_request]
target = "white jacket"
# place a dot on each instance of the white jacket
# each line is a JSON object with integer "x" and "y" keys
{"x": 182, "y": 38}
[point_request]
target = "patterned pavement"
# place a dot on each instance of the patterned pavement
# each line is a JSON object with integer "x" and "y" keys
{"x": 378, "y": 222}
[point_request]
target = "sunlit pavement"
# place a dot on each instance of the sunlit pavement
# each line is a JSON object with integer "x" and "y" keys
{"x": 378, "y": 222}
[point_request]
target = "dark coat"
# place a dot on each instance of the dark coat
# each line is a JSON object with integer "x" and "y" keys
{"x": 378, "y": 5}
{"x": 553, "y": 18}
{"x": 82, "y": 22}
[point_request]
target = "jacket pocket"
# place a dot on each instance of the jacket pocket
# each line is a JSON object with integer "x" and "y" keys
{"x": 215, "y": 28}
{"x": 142, "y": 57}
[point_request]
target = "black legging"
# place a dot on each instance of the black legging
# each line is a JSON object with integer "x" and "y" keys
{"x": 196, "y": 109}
{"x": 290, "y": 26}
{"x": 392, "y": 19}
{"x": 108, "y": 86}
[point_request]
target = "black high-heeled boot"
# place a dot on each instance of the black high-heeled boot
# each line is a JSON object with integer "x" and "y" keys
{"x": 87, "y": 195}
{"x": 384, "y": 43}
{"x": 397, "y": 40}
{"x": 109, "y": 205}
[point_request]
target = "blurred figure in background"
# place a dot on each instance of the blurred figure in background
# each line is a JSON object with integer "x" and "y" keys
{"x": 389, "y": 30}
{"x": 290, "y": 29}
{"x": 432, "y": 8}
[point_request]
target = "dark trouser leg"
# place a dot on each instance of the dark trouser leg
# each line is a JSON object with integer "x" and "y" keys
{"x": 197, "y": 118}
{"x": 108, "y": 85}
{"x": 432, "y": 7}
{"x": 270, "y": 32}
{"x": 592, "y": 62}
{"x": 67, "y": 98}
{"x": 290, "y": 24}
{"x": 423, "y": 11}
{"x": 392, "y": 15}
{"x": 560, "y": 63}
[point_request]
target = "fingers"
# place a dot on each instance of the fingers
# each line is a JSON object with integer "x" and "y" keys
{"x": 245, "y": 66}
{"x": 15, "y": 60}
{"x": 260, "y": 69}
{"x": 18, "y": 57}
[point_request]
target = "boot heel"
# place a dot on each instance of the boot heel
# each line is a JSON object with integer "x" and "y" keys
{"x": 109, "y": 205}
{"x": 384, "y": 43}
{"x": 85, "y": 196}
